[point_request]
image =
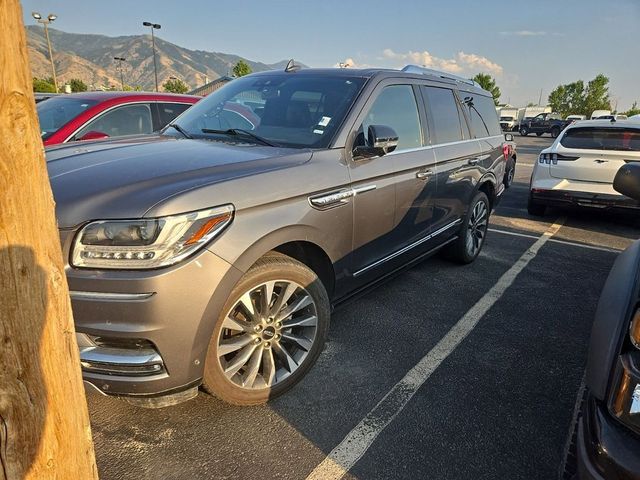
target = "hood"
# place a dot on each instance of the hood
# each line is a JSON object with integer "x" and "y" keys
{"x": 125, "y": 178}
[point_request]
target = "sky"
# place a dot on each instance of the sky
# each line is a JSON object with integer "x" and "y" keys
{"x": 527, "y": 46}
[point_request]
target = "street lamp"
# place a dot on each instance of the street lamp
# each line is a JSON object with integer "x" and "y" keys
{"x": 46, "y": 21}
{"x": 120, "y": 60}
{"x": 153, "y": 42}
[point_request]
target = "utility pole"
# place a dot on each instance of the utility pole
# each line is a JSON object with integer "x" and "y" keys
{"x": 46, "y": 21}
{"x": 153, "y": 26}
{"x": 540, "y": 98}
{"x": 119, "y": 65}
{"x": 44, "y": 420}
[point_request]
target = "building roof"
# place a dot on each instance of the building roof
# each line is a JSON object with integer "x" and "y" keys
{"x": 207, "y": 88}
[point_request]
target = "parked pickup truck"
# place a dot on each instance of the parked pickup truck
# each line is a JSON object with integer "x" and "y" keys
{"x": 544, "y": 123}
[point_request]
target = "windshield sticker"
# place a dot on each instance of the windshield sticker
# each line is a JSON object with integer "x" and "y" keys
{"x": 324, "y": 121}
{"x": 319, "y": 132}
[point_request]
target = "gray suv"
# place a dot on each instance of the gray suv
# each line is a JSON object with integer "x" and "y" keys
{"x": 213, "y": 253}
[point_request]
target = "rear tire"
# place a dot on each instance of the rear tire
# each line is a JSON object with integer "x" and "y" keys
{"x": 272, "y": 328}
{"x": 535, "y": 209}
{"x": 466, "y": 248}
{"x": 555, "y": 132}
{"x": 509, "y": 174}
{"x": 524, "y": 131}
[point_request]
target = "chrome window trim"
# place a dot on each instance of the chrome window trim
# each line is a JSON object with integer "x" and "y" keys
{"x": 137, "y": 102}
{"x": 407, "y": 248}
{"x": 109, "y": 296}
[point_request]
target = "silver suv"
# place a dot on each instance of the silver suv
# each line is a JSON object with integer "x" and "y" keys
{"x": 212, "y": 253}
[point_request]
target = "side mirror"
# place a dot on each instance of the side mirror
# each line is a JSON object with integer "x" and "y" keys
{"x": 627, "y": 181}
{"x": 381, "y": 140}
{"x": 93, "y": 135}
{"x": 508, "y": 137}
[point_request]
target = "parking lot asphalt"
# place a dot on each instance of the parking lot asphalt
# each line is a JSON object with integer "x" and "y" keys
{"x": 444, "y": 371}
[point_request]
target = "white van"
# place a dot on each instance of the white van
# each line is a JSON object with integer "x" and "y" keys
{"x": 600, "y": 113}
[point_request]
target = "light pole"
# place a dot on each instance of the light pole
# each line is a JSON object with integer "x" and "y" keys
{"x": 153, "y": 43}
{"x": 46, "y": 21}
{"x": 120, "y": 60}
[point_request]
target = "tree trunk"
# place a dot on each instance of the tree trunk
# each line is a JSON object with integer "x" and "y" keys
{"x": 44, "y": 422}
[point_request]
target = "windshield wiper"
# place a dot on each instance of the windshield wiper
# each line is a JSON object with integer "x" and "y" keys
{"x": 240, "y": 131}
{"x": 180, "y": 129}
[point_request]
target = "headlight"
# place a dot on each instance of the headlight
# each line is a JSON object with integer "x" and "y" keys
{"x": 147, "y": 243}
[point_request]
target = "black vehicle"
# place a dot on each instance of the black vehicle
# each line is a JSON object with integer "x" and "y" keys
{"x": 544, "y": 123}
{"x": 608, "y": 431}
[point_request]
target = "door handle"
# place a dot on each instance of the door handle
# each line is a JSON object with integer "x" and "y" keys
{"x": 424, "y": 174}
{"x": 473, "y": 161}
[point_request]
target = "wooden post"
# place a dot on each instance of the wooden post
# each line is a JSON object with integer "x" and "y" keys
{"x": 44, "y": 421}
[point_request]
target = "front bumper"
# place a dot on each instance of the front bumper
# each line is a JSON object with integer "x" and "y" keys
{"x": 563, "y": 198}
{"x": 605, "y": 448}
{"x": 146, "y": 332}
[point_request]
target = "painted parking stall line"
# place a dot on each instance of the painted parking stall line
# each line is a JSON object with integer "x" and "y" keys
{"x": 558, "y": 241}
{"x": 351, "y": 449}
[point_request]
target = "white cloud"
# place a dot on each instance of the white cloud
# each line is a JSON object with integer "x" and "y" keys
{"x": 460, "y": 63}
{"x": 525, "y": 33}
{"x": 350, "y": 63}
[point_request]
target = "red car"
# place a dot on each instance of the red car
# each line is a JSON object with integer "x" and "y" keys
{"x": 93, "y": 115}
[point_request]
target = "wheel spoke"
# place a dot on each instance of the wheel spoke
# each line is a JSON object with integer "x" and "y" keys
{"x": 265, "y": 298}
{"x": 305, "y": 321}
{"x": 283, "y": 298}
{"x": 233, "y": 344}
{"x": 291, "y": 364}
{"x": 268, "y": 366}
{"x": 300, "y": 303}
{"x": 239, "y": 360}
{"x": 247, "y": 303}
{"x": 250, "y": 375}
{"x": 233, "y": 324}
{"x": 303, "y": 342}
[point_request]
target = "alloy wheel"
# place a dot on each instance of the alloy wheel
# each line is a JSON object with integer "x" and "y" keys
{"x": 267, "y": 334}
{"x": 477, "y": 228}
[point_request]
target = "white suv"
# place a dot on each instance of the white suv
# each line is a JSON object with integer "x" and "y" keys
{"x": 579, "y": 167}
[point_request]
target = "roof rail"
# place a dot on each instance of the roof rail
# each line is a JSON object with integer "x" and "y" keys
{"x": 438, "y": 73}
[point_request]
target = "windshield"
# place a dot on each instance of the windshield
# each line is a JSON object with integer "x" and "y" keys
{"x": 57, "y": 111}
{"x": 587, "y": 138}
{"x": 284, "y": 109}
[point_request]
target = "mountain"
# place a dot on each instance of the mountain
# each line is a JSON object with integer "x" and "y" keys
{"x": 89, "y": 57}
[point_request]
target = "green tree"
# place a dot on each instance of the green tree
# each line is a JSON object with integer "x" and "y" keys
{"x": 634, "y": 110}
{"x": 175, "y": 85}
{"x": 43, "y": 85}
{"x": 77, "y": 85}
{"x": 241, "y": 69}
{"x": 568, "y": 99}
{"x": 574, "y": 98}
{"x": 487, "y": 82}
{"x": 132, "y": 88}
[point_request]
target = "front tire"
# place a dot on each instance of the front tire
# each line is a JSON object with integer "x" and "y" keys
{"x": 269, "y": 334}
{"x": 524, "y": 131}
{"x": 473, "y": 232}
{"x": 555, "y": 132}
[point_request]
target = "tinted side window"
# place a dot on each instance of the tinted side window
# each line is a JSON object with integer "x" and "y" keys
{"x": 169, "y": 111}
{"x": 483, "y": 115}
{"x": 395, "y": 107}
{"x": 125, "y": 120}
{"x": 444, "y": 111}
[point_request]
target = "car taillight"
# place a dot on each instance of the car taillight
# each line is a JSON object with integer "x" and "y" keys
{"x": 553, "y": 158}
{"x": 506, "y": 151}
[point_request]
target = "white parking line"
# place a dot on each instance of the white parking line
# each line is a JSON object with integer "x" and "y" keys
{"x": 555, "y": 240}
{"x": 343, "y": 457}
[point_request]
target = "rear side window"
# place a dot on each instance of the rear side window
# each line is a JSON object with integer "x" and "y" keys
{"x": 444, "y": 110}
{"x": 126, "y": 120}
{"x": 483, "y": 115}
{"x": 589, "y": 138}
{"x": 169, "y": 111}
{"x": 395, "y": 107}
